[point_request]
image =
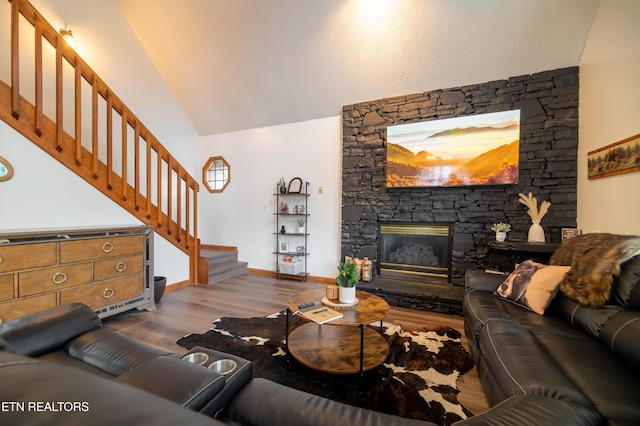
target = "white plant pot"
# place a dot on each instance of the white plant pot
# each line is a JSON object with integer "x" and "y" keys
{"x": 536, "y": 233}
{"x": 301, "y": 230}
{"x": 347, "y": 294}
{"x": 500, "y": 236}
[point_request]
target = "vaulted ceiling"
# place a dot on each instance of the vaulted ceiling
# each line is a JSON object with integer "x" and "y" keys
{"x": 241, "y": 64}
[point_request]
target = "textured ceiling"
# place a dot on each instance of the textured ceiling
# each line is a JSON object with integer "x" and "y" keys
{"x": 241, "y": 64}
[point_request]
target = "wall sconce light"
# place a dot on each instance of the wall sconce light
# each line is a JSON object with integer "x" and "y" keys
{"x": 67, "y": 35}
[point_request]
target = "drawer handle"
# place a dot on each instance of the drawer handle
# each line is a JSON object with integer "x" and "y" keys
{"x": 108, "y": 293}
{"x": 121, "y": 267}
{"x": 107, "y": 247}
{"x": 59, "y": 278}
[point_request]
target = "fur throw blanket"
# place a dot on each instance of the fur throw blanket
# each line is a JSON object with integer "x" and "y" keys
{"x": 595, "y": 260}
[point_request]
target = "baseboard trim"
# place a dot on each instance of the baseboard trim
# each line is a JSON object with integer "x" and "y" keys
{"x": 178, "y": 285}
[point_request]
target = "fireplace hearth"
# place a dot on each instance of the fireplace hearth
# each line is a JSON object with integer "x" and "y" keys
{"x": 410, "y": 249}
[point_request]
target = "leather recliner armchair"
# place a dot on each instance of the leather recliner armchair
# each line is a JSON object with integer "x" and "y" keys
{"x": 72, "y": 336}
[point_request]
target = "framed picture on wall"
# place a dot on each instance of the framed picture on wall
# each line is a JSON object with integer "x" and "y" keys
{"x": 615, "y": 159}
{"x": 284, "y": 246}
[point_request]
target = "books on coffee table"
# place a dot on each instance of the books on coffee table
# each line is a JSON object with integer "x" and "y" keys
{"x": 319, "y": 314}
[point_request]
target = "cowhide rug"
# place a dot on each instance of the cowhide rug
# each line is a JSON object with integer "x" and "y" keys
{"x": 417, "y": 380}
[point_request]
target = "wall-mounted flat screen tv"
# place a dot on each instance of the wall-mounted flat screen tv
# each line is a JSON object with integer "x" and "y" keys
{"x": 480, "y": 149}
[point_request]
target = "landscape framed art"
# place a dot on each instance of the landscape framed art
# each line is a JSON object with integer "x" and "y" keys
{"x": 615, "y": 159}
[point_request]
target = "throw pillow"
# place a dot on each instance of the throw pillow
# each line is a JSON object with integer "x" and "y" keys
{"x": 532, "y": 285}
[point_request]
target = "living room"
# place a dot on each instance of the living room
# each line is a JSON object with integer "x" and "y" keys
{"x": 605, "y": 54}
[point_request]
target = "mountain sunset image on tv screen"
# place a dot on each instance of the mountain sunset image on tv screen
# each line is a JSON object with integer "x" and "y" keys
{"x": 480, "y": 149}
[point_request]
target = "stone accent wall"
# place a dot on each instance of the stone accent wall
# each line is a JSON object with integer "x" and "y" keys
{"x": 548, "y": 166}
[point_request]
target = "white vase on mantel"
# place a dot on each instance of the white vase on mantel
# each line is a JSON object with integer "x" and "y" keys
{"x": 536, "y": 233}
{"x": 347, "y": 294}
{"x": 501, "y": 236}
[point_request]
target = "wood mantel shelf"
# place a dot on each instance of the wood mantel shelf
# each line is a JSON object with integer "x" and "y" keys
{"x": 524, "y": 246}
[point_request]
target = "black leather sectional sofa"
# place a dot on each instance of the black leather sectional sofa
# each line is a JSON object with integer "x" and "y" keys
{"x": 61, "y": 367}
{"x": 574, "y": 365}
{"x": 588, "y": 357}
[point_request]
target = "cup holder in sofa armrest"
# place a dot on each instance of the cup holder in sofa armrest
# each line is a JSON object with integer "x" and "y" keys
{"x": 235, "y": 379}
{"x": 185, "y": 383}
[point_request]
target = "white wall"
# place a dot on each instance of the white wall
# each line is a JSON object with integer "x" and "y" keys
{"x": 609, "y": 93}
{"x": 43, "y": 193}
{"x": 242, "y": 215}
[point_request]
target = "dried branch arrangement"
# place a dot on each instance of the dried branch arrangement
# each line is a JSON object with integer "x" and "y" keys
{"x": 532, "y": 203}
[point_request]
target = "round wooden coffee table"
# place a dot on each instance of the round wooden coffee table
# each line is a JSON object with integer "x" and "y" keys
{"x": 345, "y": 345}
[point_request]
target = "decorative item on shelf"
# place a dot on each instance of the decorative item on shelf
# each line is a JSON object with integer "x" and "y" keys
{"x": 283, "y": 230}
{"x": 291, "y": 265}
{"x": 284, "y": 208}
{"x": 284, "y": 247}
{"x": 301, "y": 222}
{"x": 536, "y": 232}
{"x": 348, "y": 277}
{"x": 367, "y": 267}
{"x": 501, "y": 230}
{"x": 293, "y": 189}
{"x": 282, "y": 186}
{"x": 569, "y": 233}
{"x": 298, "y": 209}
{"x": 300, "y": 249}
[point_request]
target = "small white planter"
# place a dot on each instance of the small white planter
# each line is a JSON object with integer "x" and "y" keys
{"x": 347, "y": 294}
{"x": 500, "y": 236}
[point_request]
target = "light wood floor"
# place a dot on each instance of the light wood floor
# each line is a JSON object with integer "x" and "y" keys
{"x": 192, "y": 309}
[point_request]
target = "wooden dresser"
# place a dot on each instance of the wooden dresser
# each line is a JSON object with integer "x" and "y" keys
{"x": 108, "y": 269}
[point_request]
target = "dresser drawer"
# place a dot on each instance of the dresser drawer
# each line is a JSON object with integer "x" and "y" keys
{"x": 105, "y": 293}
{"x": 117, "y": 267}
{"x": 53, "y": 279}
{"x": 27, "y": 256}
{"x": 76, "y": 251}
{"x": 21, "y": 307}
{"x": 6, "y": 287}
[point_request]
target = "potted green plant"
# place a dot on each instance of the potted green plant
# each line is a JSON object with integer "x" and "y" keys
{"x": 501, "y": 230}
{"x": 282, "y": 185}
{"x": 348, "y": 277}
{"x": 301, "y": 222}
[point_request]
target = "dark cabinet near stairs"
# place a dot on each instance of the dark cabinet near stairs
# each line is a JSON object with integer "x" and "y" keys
{"x": 291, "y": 233}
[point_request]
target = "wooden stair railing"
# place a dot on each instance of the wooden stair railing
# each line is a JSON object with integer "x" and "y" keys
{"x": 144, "y": 178}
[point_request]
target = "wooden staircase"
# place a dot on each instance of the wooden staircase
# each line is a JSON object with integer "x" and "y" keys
{"x": 69, "y": 112}
{"x": 221, "y": 264}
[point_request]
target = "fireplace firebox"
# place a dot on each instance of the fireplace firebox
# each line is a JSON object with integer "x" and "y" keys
{"x": 415, "y": 249}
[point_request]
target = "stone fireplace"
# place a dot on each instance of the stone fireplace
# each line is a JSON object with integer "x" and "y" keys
{"x": 548, "y": 104}
{"x": 414, "y": 250}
